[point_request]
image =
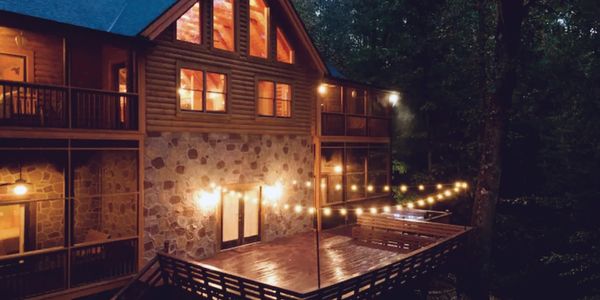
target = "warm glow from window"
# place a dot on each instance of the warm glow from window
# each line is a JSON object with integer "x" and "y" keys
{"x": 190, "y": 89}
{"x": 188, "y": 25}
{"x": 283, "y": 100}
{"x": 216, "y": 91}
{"x": 274, "y": 99}
{"x": 266, "y": 94}
{"x": 224, "y": 24}
{"x": 259, "y": 28}
{"x": 285, "y": 53}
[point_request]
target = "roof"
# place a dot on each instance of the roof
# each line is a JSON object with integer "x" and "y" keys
{"x": 122, "y": 17}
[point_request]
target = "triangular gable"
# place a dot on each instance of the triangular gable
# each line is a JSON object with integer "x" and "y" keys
{"x": 178, "y": 9}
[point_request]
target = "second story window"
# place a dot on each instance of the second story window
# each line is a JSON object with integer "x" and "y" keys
{"x": 224, "y": 24}
{"x": 188, "y": 26}
{"x": 193, "y": 96}
{"x": 259, "y": 28}
{"x": 285, "y": 52}
{"x": 274, "y": 99}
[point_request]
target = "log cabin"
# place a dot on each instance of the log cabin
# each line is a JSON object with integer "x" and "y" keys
{"x": 177, "y": 130}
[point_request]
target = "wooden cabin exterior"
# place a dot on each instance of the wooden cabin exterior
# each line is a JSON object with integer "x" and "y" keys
{"x": 189, "y": 127}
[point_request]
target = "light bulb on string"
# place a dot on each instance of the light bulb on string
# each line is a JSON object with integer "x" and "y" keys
{"x": 421, "y": 202}
{"x": 438, "y": 186}
{"x": 386, "y": 209}
{"x": 421, "y": 187}
{"x": 359, "y": 211}
{"x": 343, "y": 211}
{"x": 399, "y": 207}
{"x": 430, "y": 200}
{"x": 327, "y": 211}
{"x": 410, "y": 205}
{"x": 403, "y": 188}
{"x": 373, "y": 210}
{"x": 298, "y": 208}
{"x": 386, "y": 188}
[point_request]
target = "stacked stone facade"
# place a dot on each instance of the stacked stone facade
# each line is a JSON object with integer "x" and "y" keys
{"x": 179, "y": 165}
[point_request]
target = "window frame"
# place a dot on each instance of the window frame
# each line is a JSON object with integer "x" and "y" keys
{"x": 275, "y": 82}
{"x": 201, "y": 29}
{"x": 236, "y": 29}
{"x": 205, "y": 69}
{"x": 278, "y": 28}
{"x": 270, "y": 25}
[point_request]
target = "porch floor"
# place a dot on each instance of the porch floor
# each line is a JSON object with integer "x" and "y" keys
{"x": 291, "y": 262}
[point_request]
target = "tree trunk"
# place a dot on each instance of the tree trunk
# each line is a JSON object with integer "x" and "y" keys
{"x": 510, "y": 15}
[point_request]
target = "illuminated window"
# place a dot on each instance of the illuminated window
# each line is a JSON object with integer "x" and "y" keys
{"x": 274, "y": 99}
{"x": 191, "y": 88}
{"x": 259, "y": 28}
{"x": 285, "y": 53}
{"x": 188, "y": 25}
{"x": 223, "y": 24}
{"x": 216, "y": 91}
{"x": 194, "y": 97}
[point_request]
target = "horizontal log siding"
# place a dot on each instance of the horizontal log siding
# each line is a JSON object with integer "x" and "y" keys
{"x": 47, "y": 53}
{"x": 161, "y": 97}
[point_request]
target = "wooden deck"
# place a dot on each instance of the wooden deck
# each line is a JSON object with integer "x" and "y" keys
{"x": 291, "y": 262}
{"x": 367, "y": 261}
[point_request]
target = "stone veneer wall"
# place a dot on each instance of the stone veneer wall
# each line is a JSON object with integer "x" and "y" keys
{"x": 105, "y": 183}
{"x": 180, "y": 164}
{"x": 47, "y": 182}
{"x": 119, "y": 179}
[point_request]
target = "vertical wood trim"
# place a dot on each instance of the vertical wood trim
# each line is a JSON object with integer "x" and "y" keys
{"x": 140, "y": 201}
{"x": 141, "y": 82}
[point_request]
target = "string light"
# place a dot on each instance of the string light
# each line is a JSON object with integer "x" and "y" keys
{"x": 373, "y": 210}
{"x": 438, "y": 186}
{"x": 338, "y": 187}
{"x": 410, "y": 205}
{"x": 298, "y": 208}
{"x": 440, "y": 196}
{"x": 447, "y": 193}
{"x": 386, "y": 188}
{"x": 311, "y": 210}
{"x": 370, "y": 188}
{"x": 386, "y": 209}
{"x": 399, "y": 207}
{"x": 286, "y": 206}
{"x": 327, "y": 211}
{"x": 421, "y": 187}
{"x": 338, "y": 169}
{"x": 343, "y": 211}
{"x": 403, "y": 188}
{"x": 430, "y": 200}
{"x": 421, "y": 202}
{"x": 359, "y": 211}
{"x": 354, "y": 187}
{"x": 308, "y": 184}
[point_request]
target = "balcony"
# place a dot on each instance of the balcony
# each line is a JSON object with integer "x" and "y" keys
{"x": 339, "y": 124}
{"x": 50, "y": 106}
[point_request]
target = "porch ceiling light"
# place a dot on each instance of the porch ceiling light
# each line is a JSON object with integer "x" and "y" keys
{"x": 322, "y": 89}
{"x": 393, "y": 98}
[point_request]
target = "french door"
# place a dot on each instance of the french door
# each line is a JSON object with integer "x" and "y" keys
{"x": 240, "y": 217}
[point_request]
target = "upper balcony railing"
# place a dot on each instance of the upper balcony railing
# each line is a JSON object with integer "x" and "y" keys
{"x": 49, "y": 106}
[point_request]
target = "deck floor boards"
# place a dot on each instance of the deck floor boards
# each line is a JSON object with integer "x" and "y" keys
{"x": 291, "y": 262}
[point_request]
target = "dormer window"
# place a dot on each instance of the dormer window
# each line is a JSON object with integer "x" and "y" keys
{"x": 188, "y": 26}
{"x": 259, "y": 28}
{"x": 285, "y": 52}
{"x": 224, "y": 24}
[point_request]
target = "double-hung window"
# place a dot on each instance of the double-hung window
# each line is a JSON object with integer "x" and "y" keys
{"x": 274, "y": 99}
{"x": 202, "y": 91}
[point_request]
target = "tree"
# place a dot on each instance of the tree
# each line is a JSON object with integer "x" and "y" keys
{"x": 510, "y": 15}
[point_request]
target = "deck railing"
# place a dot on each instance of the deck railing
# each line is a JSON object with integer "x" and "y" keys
{"x": 49, "y": 106}
{"x": 206, "y": 282}
{"x": 52, "y": 270}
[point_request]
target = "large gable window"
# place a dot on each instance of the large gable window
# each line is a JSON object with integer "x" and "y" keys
{"x": 285, "y": 52}
{"x": 259, "y": 28}
{"x": 224, "y": 24}
{"x": 193, "y": 96}
{"x": 188, "y": 25}
{"x": 274, "y": 99}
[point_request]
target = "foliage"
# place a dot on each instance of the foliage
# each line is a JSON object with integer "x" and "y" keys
{"x": 439, "y": 55}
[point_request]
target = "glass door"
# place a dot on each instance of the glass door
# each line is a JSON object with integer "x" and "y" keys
{"x": 240, "y": 215}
